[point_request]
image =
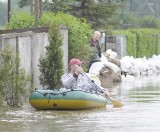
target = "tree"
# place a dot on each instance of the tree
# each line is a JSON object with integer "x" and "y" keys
{"x": 58, "y": 5}
{"x": 23, "y": 3}
{"x": 51, "y": 65}
{"x": 149, "y": 22}
{"x": 35, "y": 8}
{"x": 96, "y": 12}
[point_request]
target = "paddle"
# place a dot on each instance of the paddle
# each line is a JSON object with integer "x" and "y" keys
{"x": 115, "y": 103}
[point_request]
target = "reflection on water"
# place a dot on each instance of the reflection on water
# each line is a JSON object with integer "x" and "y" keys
{"x": 141, "y": 97}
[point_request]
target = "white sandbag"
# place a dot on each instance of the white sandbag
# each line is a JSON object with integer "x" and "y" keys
{"x": 138, "y": 64}
{"x": 156, "y": 61}
{"x": 103, "y": 58}
{"x": 155, "y": 57}
{"x": 112, "y": 53}
{"x": 127, "y": 63}
{"x": 113, "y": 67}
{"x": 96, "y": 67}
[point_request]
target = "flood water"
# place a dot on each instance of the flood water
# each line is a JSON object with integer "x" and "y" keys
{"x": 140, "y": 113}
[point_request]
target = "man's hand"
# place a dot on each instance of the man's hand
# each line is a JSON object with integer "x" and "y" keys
{"x": 79, "y": 70}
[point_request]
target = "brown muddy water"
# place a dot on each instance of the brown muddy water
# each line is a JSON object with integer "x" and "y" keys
{"x": 140, "y": 113}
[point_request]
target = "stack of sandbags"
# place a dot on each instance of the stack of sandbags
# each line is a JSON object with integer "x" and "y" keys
{"x": 111, "y": 63}
{"x": 111, "y": 72}
{"x": 96, "y": 67}
{"x": 140, "y": 66}
{"x": 112, "y": 57}
{"x": 108, "y": 72}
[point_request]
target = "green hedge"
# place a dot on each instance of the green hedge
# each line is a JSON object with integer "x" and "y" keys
{"x": 141, "y": 42}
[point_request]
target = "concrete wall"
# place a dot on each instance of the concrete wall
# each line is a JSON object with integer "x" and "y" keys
{"x": 31, "y": 46}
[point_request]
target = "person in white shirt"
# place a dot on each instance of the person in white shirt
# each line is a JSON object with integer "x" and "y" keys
{"x": 77, "y": 79}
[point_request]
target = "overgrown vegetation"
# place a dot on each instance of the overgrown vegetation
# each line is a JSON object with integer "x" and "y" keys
{"x": 79, "y": 35}
{"x": 141, "y": 42}
{"x": 79, "y": 32}
{"x": 13, "y": 79}
{"x": 51, "y": 65}
{"x": 20, "y": 20}
{"x": 96, "y": 12}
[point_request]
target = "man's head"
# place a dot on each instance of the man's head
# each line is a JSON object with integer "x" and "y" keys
{"x": 96, "y": 35}
{"x": 75, "y": 61}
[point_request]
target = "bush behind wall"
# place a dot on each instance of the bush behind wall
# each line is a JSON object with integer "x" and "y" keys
{"x": 79, "y": 31}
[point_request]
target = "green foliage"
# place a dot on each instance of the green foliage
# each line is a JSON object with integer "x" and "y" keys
{"x": 79, "y": 35}
{"x": 149, "y": 22}
{"x": 0, "y": 98}
{"x": 97, "y": 13}
{"x": 141, "y": 42}
{"x": 23, "y": 3}
{"x": 51, "y": 66}
{"x": 58, "y": 5}
{"x": 20, "y": 20}
{"x": 147, "y": 42}
{"x": 128, "y": 21}
{"x": 13, "y": 79}
{"x": 46, "y": 19}
{"x": 137, "y": 14}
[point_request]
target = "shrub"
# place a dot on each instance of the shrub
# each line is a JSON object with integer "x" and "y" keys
{"x": 13, "y": 79}
{"x": 20, "y": 20}
{"x": 79, "y": 35}
{"x": 46, "y": 19}
{"x": 51, "y": 66}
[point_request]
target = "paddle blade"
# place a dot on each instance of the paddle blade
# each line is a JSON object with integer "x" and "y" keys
{"x": 117, "y": 103}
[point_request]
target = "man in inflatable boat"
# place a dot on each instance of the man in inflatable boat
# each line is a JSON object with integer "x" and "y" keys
{"x": 77, "y": 79}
